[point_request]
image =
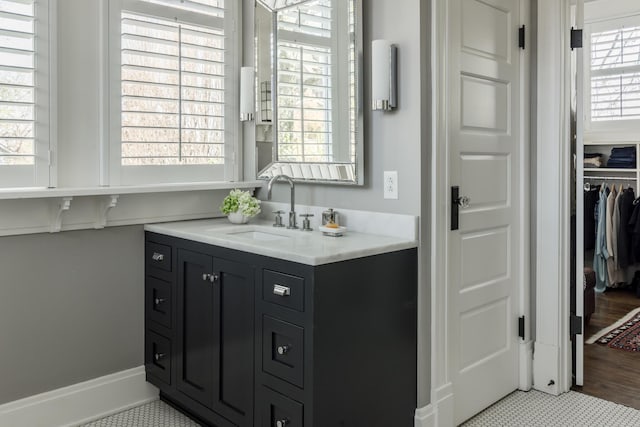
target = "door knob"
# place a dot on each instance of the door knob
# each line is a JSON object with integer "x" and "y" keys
{"x": 463, "y": 201}
{"x": 457, "y": 202}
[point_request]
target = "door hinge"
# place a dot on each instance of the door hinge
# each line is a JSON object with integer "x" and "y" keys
{"x": 521, "y": 327}
{"x": 521, "y": 37}
{"x": 576, "y": 38}
{"x": 575, "y": 325}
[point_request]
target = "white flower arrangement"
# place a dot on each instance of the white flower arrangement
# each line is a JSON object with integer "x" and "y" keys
{"x": 242, "y": 202}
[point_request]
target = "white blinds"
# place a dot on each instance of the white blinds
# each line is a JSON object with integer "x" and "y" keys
{"x": 305, "y": 84}
{"x": 17, "y": 82}
{"x": 615, "y": 74}
{"x": 173, "y": 88}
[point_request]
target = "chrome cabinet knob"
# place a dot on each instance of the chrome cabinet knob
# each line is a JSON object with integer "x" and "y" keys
{"x": 158, "y": 301}
{"x": 283, "y": 349}
{"x": 157, "y": 257}
{"x": 210, "y": 277}
{"x": 281, "y": 291}
{"x": 282, "y": 423}
{"x": 158, "y": 356}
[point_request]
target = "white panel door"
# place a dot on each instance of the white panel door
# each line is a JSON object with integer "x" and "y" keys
{"x": 578, "y": 66}
{"x": 486, "y": 142}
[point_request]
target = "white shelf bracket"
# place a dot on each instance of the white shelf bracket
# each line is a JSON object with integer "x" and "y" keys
{"x": 103, "y": 209}
{"x": 58, "y": 206}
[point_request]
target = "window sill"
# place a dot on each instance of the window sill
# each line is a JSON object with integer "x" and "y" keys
{"x": 51, "y": 210}
{"x": 46, "y": 193}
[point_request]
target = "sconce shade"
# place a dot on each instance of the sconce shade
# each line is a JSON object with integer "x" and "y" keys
{"x": 247, "y": 93}
{"x": 383, "y": 75}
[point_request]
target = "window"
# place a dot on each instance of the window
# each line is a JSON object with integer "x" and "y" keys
{"x": 615, "y": 71}
{"x": 24, "y": 93}
{"x": 174, "y": 118}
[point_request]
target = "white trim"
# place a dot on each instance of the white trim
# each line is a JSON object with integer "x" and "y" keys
{"x": 439, "y": 224}
{"x": 52, "y": 166}
{"x": 426, "y": 417}
{"x": 552, "y": 347}
{"x": 44, "y": 193}
{"x": 81, "y": 403}
{"x": 439, "y": 413}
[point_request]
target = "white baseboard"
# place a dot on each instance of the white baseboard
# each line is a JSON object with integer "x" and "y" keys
{"x": 80, "y": 403}
{"x": 525, "y": 350}
{"x": 438, "y": 413}
{"x": 425, "y": 417}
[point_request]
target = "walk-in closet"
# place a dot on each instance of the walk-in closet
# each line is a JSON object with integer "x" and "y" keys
{"x": 610, "y": 208}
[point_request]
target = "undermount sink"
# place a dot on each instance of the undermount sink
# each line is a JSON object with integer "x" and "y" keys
{"x": 258, "y": 235}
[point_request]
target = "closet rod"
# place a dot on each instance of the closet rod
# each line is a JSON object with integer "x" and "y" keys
{"x": 608, "y": 178}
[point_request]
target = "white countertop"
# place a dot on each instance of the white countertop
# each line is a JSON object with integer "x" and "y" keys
{"x": 305, "y": 247}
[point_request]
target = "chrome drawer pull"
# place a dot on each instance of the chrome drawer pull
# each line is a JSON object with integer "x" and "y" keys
{"x": 158, "y": 356}
{"x": 158, "y": 301}
{"x": 282, "y": 423}
{"x": 281, "y": 291}
{"x": 283, "y": 349}
{"x": 157, "y": 257}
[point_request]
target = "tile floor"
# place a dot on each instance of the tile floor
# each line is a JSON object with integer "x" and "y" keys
{"x": 519, "y": 409}
{"x": 537, "y": 409}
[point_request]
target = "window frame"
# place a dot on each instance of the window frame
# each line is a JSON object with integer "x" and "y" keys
{"x": 620, "y": 128}
{"x": 42, "y": 172}
{"x": 140, "y": 175}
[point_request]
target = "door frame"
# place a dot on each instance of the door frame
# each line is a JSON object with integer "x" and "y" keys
{"x": 552, "y": 364}
{"x": 440, "y": 411}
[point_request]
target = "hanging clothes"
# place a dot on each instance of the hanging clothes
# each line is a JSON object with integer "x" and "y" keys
{"x": 612, "y": 273}
{"x": 634, "y": 227}
{"x": 600, "y": 255}
{"x": 624, "y": 233}
{"x": 591, "y": 197}
{"x": 617, "y": 275}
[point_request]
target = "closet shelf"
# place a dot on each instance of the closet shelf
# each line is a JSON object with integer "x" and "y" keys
{"x": 600, "y": 170}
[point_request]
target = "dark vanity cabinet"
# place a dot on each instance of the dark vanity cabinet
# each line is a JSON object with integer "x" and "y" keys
{"x": 238, "y": 339}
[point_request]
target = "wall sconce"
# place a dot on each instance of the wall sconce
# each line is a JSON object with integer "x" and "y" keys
{"x": 247, "y": 94}
{"x": 384, "y": 75}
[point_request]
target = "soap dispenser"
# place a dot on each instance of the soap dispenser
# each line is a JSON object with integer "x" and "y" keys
{"x": 329, "y": 216}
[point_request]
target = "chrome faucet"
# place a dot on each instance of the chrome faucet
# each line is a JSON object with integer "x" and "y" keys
{"x": 292, "y": 213}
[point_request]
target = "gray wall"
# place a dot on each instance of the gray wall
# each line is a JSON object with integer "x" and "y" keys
{"x": 71, "y": 308}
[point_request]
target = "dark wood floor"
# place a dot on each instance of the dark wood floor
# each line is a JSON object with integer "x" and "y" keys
{"x": 611, "y": 374}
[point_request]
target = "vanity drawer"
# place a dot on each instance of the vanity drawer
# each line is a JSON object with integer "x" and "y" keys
{"x": 157, "y": 356}
{"x": 158, "y": 256}
{"x": 280, "y": 411}
{"x": 158, "y": 301}
{"x": 283, "y": 289}
{"x": 283, "y": 350}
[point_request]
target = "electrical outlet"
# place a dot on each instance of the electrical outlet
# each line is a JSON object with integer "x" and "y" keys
{"x": 391, "y": 185}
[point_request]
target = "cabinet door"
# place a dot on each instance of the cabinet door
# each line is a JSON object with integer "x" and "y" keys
{"x": 233, "y": 328}
{"x": 195, "y": 333}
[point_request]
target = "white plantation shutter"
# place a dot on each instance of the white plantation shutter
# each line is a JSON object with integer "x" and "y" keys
{"x": 176, "y": 100}
{"x": 24, "y": 138}
{"x": 615, "y": 74}
{"x": 305, "y": 84}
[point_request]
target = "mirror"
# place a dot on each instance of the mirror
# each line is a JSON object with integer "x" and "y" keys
{"x": 308, "y": 95}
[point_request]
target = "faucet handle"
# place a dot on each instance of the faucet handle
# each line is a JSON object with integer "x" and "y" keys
{"x": 306, "y": 224}
{"x": 278, "y": 219}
